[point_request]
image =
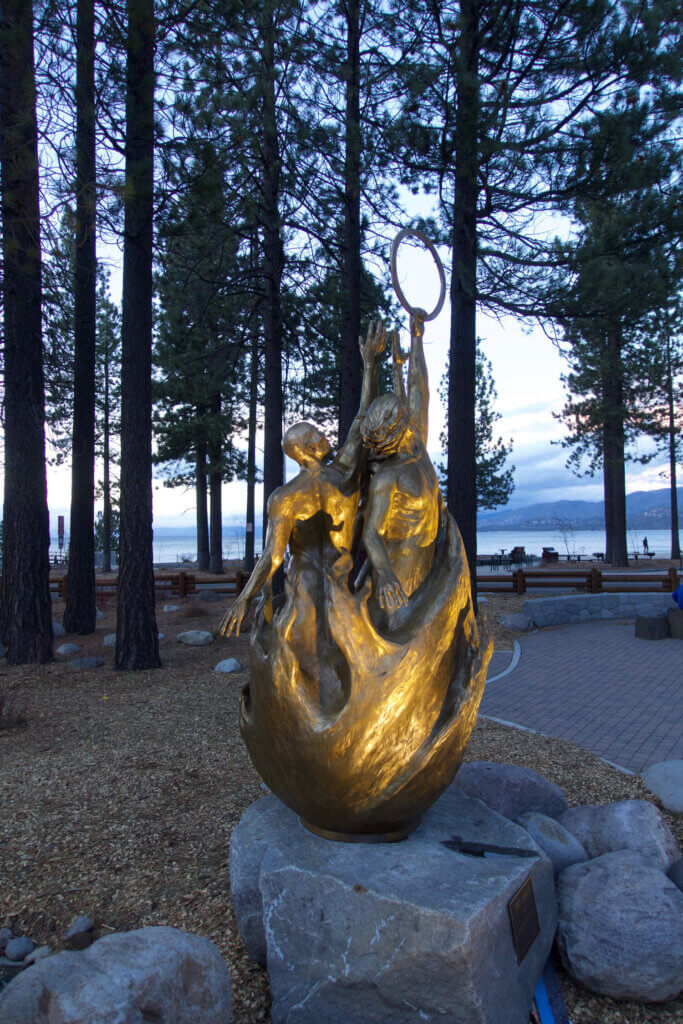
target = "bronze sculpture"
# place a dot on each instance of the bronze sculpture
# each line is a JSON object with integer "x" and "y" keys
{"x": 362, "y": 697}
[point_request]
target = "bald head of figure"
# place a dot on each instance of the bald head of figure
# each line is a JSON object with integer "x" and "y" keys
{"x": 305, "y": 444}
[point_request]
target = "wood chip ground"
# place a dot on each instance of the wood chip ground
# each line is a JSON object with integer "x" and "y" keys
{"x": 119, "y": 797}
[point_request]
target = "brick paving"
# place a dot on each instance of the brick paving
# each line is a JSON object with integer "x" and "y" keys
{"x": 597, "y": 686}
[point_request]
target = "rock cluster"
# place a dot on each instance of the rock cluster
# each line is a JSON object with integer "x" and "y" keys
{"x": 553, "y": 611}
{"x": 619, "y": 877}
{"x": 153, "y": 974}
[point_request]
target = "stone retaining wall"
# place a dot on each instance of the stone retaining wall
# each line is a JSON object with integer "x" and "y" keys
{"x": 553, "y": 611}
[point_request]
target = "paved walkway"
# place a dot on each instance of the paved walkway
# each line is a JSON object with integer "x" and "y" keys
{"x": 597, "y": 686}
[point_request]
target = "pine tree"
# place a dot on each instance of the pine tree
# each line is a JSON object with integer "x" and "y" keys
{"x": 25, "y": 608}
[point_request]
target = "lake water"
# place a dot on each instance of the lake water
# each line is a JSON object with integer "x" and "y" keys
{"x": 173, "y": 545}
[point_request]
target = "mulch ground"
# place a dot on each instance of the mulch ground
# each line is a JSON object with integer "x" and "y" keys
{"x": 119, "y": 796}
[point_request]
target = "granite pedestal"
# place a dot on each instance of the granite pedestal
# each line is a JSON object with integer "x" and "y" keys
{"x": 394, "y": 933}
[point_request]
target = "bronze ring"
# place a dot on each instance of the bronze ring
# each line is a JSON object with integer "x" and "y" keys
{"x": 415, "y": 310}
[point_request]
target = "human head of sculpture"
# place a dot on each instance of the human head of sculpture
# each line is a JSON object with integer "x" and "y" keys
{"x": 385, "y": 426}
{"x": 305, "y": 444}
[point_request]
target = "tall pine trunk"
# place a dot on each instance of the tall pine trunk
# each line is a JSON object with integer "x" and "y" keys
{"x": 79, "y": 614}
{"x": 251, "y": 457}
{"x": 273, "y": 259}
{"x": 614, "y": 451}
{"x": 202, "y": 508}
{"x": 350, "y": 365}
{"x": 215, "y": 490}
{"x": 25, "y": 609}
{"x": 462, "y": 468}
{"x": 106, "y": 474}
{"x": 671, "y": 428}
{"x": 137, "y": 643}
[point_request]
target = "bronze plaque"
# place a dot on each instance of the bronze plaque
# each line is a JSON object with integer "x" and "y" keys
{"x": 524, "y": 919}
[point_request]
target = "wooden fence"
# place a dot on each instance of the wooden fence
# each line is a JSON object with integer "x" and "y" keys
{"x": 166, "y": 585}
{"x": 593, "y": 581}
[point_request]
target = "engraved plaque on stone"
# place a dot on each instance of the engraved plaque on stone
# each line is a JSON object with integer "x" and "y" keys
{"x": 523, "y": 919}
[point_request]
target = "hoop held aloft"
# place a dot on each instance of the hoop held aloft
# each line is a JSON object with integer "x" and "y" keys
{"x": 416, "y": 311}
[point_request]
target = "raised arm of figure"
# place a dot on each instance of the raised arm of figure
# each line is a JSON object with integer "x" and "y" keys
{"x": 390, "y": 593}
{"x": 399, "y": 357}
{"x": 280, "y": 525}
{"x": 370, "y": 349}
{"x": 418, "y": 382}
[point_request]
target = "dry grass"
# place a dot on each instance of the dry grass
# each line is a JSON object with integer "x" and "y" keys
{"x": 119, "y": 799}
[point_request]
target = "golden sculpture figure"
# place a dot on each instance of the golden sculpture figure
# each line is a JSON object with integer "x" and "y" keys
{"x": 362, "y": 698}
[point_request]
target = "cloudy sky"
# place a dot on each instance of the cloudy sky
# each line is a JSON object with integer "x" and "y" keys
{"x": 526, "y": 369}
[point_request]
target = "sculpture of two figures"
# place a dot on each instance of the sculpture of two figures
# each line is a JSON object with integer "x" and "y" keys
{"x": 363, "y": 692}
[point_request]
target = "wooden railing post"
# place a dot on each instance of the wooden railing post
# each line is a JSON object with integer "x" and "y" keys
{"x": 519, "y": 581}
{"x": 182, "y": 584}
{"x": 239, "y": 582}
{"x": 595, "y": 582}
{"x": 671, "y": 583}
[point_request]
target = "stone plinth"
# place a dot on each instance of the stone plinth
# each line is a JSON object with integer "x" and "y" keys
{"x": 395, "y": 933}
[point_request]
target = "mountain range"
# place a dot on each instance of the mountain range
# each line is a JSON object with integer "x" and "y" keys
{"x": 645, "y": 510}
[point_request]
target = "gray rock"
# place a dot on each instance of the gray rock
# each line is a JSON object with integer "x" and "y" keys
{"x": 79, "y": 935}
{"x": 652, "y": 627}
{"x": 5, "y": 936}
{"x": 17, "y": 949}
{"x": 99, "y": 614}
{"x": 58, "y": 628}
{"x": 158, "y": 975}
{"x": 665, "y": 780}
{"x": 195, "y": 637}
{"x": 481, "y": 599}
{"x": 620, "y": 930}
{"x": 68, "y": 649}
{"x": 517, "y": 621}
{"x": 560, "y": 845}
{"x": 625, "y": 825}
{"x": 110, "y": 640}
{"x": 510, "y": 790}
{"x": 210, "y": 596}
{"x": 675, "y": 873}
{"x": 37, "y": 954}
{"x": 161, "y": 636}
{"x": 89, "y": 661}
{"x": 171, "y": 608}
{"x": 675, "y": 619}
{"x": 390, "y": 933}
{"x": 228, "y": 665}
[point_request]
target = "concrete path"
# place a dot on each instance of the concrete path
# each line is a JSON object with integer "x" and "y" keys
{"x": 597, "y": 686}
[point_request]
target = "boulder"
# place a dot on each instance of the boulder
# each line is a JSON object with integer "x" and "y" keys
{"x": 195, "y": 637}
{"x": 674, "y": 617}
{"x": 665, "y": 781}
{"x": 675, "y": 873}
{"x": 154, "y": 975}
{"x": 17, "y": 949}
{"x": 391, "y": 933}
{"x": 98, "y": 614}
{"x": 626, "y": 825}
{"x": 58, "y": 629}
{"x": 171, "y": 608}
{"x": 517, "y": 621}
{"x": 5, "y": 936}
{"x": 652, "y": 627}
{"x": 209, "y": 595}
{"x": 510, "y": 790}
{"x": 37, "y": 954}
{"x": 558, "y": 844}
{"x": 68, "y": 649}
{"x": 110, "y": 640}
{"x": 620, "y": 930}
{"x": 228, "y": 665}
{"x": 89, "y": 661}
{"x": 79, "y": 935}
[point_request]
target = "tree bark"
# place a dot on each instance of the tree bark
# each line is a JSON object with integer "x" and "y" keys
{"x": 202, "y": 510}
{"x": 350, "y": 363}
{"x": 79, "y": 614}
{"x": 251, "y": 458}
{"x": 462, "y": 462}
{"x": 106, "y": 477}
{"x": 25, "y": 608}
{"x": 273, "y": 259}
{"x": 215, "y": 491}
{"x": 137, "y": 643}
{"x": 675, "y": 537}
{"x": 613, "y": 451}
